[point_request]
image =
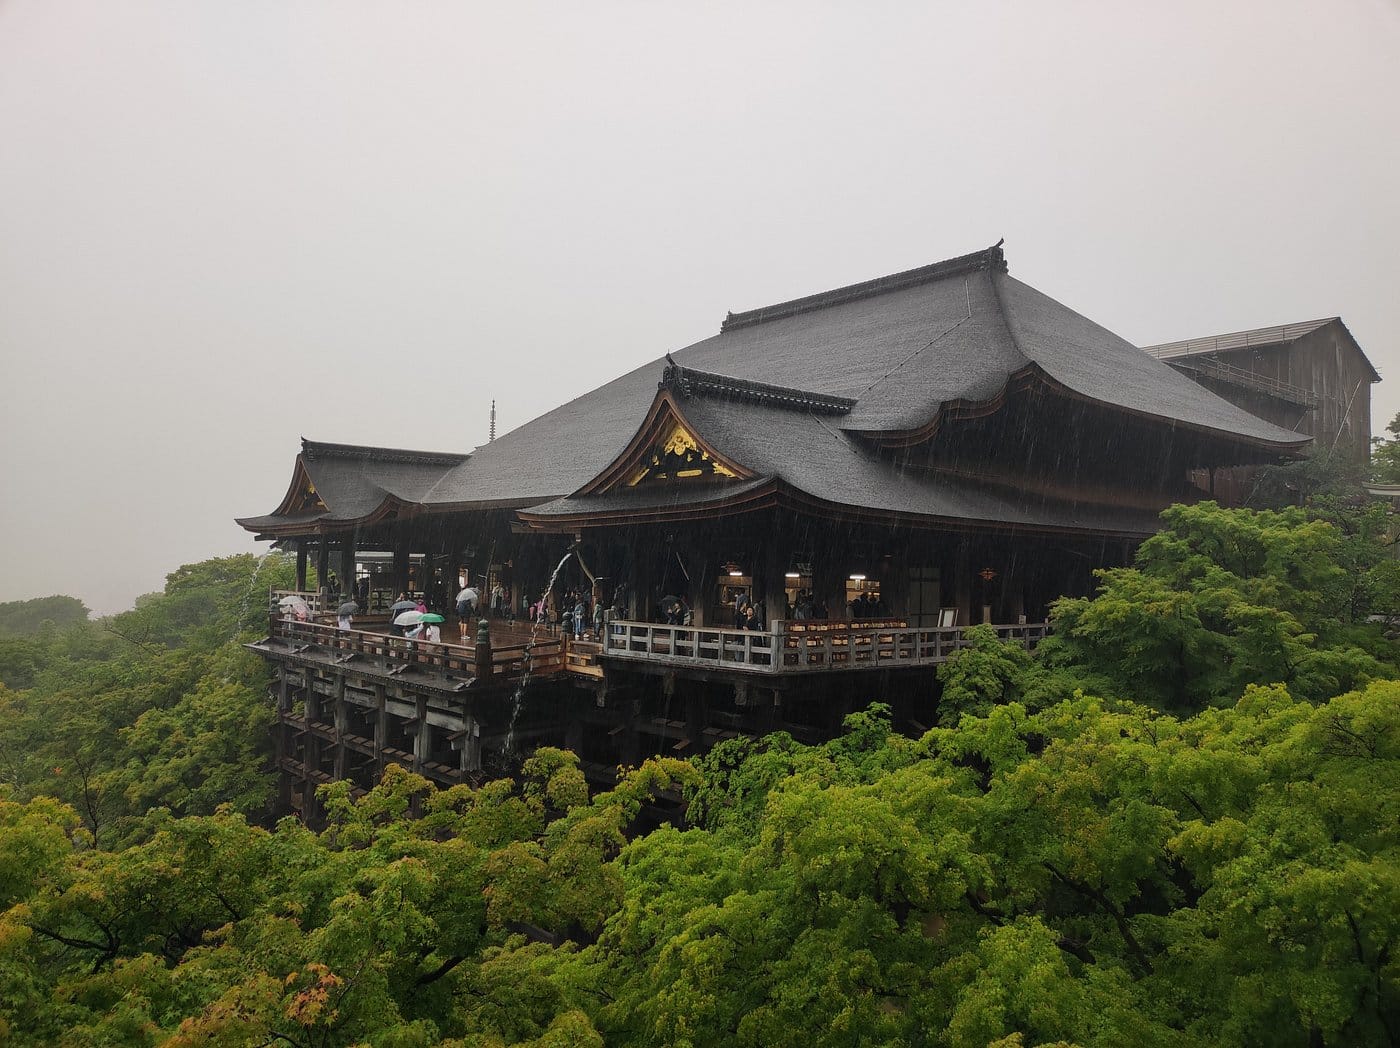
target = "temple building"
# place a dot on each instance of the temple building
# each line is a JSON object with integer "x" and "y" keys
{"x": 869, "y": 469}
{"x": 1311, "y": 377}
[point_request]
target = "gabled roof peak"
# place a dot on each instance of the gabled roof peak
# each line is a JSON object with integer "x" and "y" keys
{"x": 991, "y": 259}
{"x": 686, "y": 383}
{"x": 312, "y": 450}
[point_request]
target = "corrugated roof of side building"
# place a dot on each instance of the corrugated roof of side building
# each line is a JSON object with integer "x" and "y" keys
{"x": 1254, "y": 338}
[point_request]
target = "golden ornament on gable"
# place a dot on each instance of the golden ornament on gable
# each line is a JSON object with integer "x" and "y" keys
{"x": 678, "y": 457}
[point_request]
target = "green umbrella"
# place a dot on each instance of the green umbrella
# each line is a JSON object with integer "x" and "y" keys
{"x": 432, "y": 617}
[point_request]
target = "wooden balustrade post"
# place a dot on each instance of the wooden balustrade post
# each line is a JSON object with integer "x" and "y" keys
{"x": 483, "y": 650}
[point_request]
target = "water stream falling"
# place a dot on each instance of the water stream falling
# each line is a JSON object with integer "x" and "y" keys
{"x": 517, "y": 699}
{"x": 248, "y": 593}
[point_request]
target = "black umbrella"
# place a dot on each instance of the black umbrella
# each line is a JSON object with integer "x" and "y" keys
{"x": 347, "y": 609}
{"x": 403, "y": 605}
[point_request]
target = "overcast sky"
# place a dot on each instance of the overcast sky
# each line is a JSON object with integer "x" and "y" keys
{"x": 227, "y": 225}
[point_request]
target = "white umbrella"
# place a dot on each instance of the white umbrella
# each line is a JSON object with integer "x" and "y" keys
{"x": 291, "y": 600}
{"x": 409, "y": 618}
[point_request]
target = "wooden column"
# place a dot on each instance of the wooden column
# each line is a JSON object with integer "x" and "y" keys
{"x": 696, "y": 716}
{"x": 282, "y": 740}
{"x": 774, "y": 562}
{"x": 699, "y": 591}
{"x": 573, "y": 735}
{"x": 400, "y": 573}
{"x": 630, "y": 743}
{"x": 471, "y": 744}
{"x": 894, "y": 579}
{"x": 422, "y": 736}
{"x": 962, "y": 586}
{"x": 323, "y": 563}
{"x": 311, "y": 758}
{"x": 347, "y": 568}
{"x": 829, "y": 581}
{"x": 341, "y": 724}
{"x": 301, "y": 564}
{"x": 381, "y": 729}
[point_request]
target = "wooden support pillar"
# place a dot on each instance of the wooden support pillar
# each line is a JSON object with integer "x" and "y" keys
{"x": 630, "y": 744}
{"x": 311, "y": 758}
{"x": 699, "y": 591}
{"x": 400, "y": 573}
{"x": 347, "y": 568}
{"x": 422, "y": 736}
{"x": 1015, "y": 588}
{"x": 573, "y": 735}
{"x": 341, "y": 728}
{"x": 471, "y": 744}
{"x": 282, "y": 740}
{"x": 323, "y": 563}
{"x": 301, "y": 564}
{"x": 696, "y": 716}
{"x": 381, "y": 729}
{"x": 894, "y": 581}
{"x": 829, "y": 583}
{"x": 963, "y": 588}
{"x": 768, "y": 588}
{"x": 640, "y": 596}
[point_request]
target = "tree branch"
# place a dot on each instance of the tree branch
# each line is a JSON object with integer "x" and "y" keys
{"x": 1102, "y": 900}
{"x": 438, "y": 972}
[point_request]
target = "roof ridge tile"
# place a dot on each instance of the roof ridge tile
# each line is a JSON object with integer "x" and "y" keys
{"x": 687, "y": 383}
{"x": 993, "y": 258}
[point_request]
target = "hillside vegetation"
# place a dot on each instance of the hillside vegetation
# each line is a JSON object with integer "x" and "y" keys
{"x": 1177, "y": 824}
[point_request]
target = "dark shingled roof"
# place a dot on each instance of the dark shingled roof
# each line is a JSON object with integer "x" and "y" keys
{"x": 354, "y": 481}
{"x": 835, "y": 469}
{"x": 899, "y": 347}
{"x": 880, "y": 358}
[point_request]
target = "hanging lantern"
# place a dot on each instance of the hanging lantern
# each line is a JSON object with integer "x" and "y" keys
{"x": 987, "y": 574}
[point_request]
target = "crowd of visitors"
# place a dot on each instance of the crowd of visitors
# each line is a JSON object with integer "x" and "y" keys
{"x": 577, "y": 611}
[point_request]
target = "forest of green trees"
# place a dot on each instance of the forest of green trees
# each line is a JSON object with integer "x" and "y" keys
{"x": 1177, "y": 823}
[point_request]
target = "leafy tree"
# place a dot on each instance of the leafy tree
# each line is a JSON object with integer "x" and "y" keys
{"x": 1320, "y": 473}
{"x": 1385, "y": 454}
{"x": 987, "y": 672}
{"x": 159, "y": 706}
{"x": 1221, "y": 599}
{"x": 24, "y": 618}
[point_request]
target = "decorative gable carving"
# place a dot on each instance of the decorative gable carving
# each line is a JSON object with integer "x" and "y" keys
{"x": 665, "y": 450}
{"x": 678, "y": 458}
{"x": 309, "y": 501}
{"x": 302, "y": 499}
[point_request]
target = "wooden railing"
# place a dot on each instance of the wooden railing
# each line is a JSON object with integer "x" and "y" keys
{"x": 689, "y": 645}
{"x": 508, "y": 663}
{"x": 312, "y": 598}
{"x": 797, "y": 647}
{"x": 379, "y": 601}
{"x": 786, "y": 647}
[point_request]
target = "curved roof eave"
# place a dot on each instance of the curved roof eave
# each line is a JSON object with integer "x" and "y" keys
{"x": 278, "y": 526}
{"x": 1035, "y": 373}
